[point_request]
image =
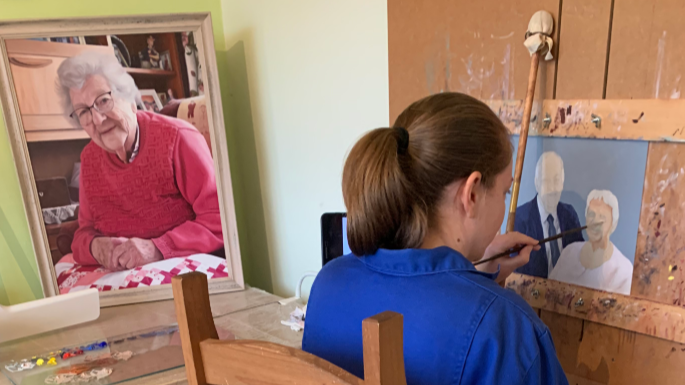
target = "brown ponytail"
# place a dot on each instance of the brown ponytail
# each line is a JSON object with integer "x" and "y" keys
{"x": 391, "y": 187}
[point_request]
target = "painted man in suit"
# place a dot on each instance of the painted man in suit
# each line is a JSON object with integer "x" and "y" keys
{"x": 545, "y": 216}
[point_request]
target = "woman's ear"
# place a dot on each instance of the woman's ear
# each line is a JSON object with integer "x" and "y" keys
{"x": 471, "y": 194}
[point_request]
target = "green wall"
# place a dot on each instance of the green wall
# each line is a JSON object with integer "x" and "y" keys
{"x": 19, "y": 280}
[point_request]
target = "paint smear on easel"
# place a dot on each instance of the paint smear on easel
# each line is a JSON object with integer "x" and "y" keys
{"x": 448, "y": 75}
{"x": 505, "y": 71}
{"x": 510, "y": 34}
{"x": 676, "y": 90}
{"x": 661, "y": 48}
{"x": 659, "y": 258}
{"x": 476, "y": 77}
{"x": 430, "y": 76}
{"x": 511, "y": 71}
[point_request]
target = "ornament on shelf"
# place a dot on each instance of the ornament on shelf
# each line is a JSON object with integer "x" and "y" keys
{"x": 149, "y": 57}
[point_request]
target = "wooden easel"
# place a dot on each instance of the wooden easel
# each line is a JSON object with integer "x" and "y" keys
{"x": 618, "y": 54}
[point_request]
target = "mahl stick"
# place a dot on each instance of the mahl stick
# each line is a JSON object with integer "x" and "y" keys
{"x": 538, "y": 42}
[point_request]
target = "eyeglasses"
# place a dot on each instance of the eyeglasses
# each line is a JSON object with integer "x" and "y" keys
{"x": 102, "y": 104}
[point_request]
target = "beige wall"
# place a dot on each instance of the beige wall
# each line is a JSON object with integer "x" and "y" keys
{"x": 316, "y": 79}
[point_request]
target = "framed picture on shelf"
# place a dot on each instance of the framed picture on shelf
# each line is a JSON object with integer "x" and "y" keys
{"x": 165, "y": 61}
{"x": 163, "y": 98}
{"x": 121, "y": 52}
{"x": 68, "y": 40}
{"x": 151, "y": 100}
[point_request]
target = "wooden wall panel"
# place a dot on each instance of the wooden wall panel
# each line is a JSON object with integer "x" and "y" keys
{"x": 465, "y": 46}
{"x": 592, "y": 353}
{"x": 659, "y": 272}
{"x": 583, "y": 40}
{"x": 647, "y": 55}
{"x": 647, "y": 60}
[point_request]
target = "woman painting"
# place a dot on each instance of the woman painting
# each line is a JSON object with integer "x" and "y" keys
{"x": 424, "y": 200}
{"x": 147, "y": 188}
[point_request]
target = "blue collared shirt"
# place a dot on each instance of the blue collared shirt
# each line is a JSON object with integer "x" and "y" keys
{"x": 460, "y": 327}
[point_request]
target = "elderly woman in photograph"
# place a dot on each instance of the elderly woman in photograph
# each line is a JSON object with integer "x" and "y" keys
{"x": 597, "y": 263}
{"x": 147, "y": 186}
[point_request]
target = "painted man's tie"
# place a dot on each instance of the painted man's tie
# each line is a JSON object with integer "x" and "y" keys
{"x": 554, "y": 245}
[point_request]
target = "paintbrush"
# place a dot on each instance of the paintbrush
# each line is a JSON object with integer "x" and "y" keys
{"x": 517, "y": 249}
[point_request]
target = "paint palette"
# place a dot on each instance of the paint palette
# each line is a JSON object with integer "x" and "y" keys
{"x": 110, "y": 361}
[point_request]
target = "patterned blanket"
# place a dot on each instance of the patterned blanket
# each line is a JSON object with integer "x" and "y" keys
{"x": 73, "y": 277}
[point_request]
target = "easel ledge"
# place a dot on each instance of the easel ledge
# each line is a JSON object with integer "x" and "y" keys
{"x": 653, "y": 120}
{"x": 629, "y": 313}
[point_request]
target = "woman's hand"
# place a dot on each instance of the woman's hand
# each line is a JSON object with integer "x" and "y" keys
{"x": 136, "y": 252}
{"x": 102, "y": 247}
{"x": 507, "y": 265}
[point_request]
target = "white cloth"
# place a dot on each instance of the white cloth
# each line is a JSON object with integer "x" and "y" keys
{"x": 545, "y": 232}
{"x": 540, "y": 29}
{"x": 75, "y": 174}
{"x": 296, "y": 321}
{"x": 614, "y": 275}
{"x": 57, "y": 215}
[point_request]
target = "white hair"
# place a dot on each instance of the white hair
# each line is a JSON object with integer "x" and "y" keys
{"x": 610, "y": 199}
{"x": 544, "y": 158}
{"x": 72, "y": 73}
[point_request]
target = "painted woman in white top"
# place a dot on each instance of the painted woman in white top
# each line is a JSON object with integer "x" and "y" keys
{"x": 596, "y": 263}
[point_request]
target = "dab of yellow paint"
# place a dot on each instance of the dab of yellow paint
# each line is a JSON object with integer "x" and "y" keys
{"x": 671, "y": 278}
{"x": 670, "y": 267}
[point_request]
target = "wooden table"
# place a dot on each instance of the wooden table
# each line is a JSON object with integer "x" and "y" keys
{"x": 248, "y": 314}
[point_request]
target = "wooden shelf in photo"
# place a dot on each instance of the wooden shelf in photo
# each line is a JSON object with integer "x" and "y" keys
{"x": 55, "y": 135}
{"x": 144, "y": 71}
{"x": 155, "y": 78}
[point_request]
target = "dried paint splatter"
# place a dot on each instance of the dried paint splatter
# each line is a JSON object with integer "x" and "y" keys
{"x": 661, "y": 48}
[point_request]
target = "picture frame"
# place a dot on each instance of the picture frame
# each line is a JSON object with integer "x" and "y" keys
{"x": 163, "y": 98}
{"x": 151, "y": 100}
{"x": 165, "y": 61}
{"x": 201, "y": 26}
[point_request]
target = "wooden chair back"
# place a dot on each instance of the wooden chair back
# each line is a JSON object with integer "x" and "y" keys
{"x": 211, "y": 361}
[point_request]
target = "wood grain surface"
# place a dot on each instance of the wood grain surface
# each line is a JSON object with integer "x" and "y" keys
{"x": 470, "y": 47}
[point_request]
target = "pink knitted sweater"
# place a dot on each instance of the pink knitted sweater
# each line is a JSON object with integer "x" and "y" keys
{"x": 166, "y": 194}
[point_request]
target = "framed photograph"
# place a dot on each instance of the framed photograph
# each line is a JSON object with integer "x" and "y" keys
{"x": 163, "y": 98}
{"x": 151, "y": 100}
{"x": 108, "y": 204}
{"x": 165, "y": 61}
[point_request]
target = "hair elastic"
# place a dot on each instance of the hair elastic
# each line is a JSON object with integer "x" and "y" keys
{"x": 402, "y": 140}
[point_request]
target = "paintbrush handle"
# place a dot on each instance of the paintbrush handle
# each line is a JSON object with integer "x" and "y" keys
{"x": 562, "y": 234}
{"x": 519, "y": 248}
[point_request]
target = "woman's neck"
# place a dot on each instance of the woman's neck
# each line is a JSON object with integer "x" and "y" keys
{"x": 600, "y": 244}
{"x": 124, "y": 154}
{"x": 452, "y": 238}
{"x": 595, "y": 254}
